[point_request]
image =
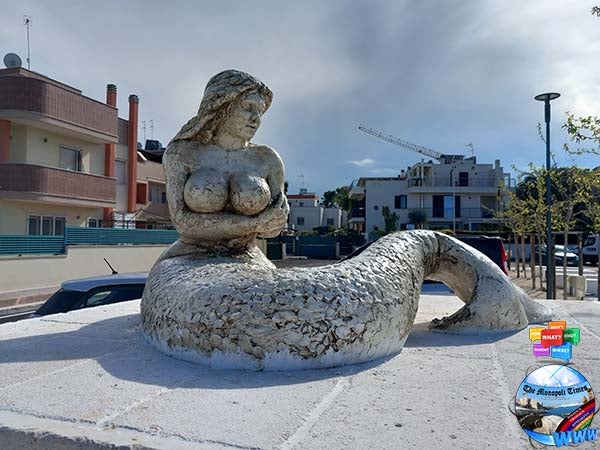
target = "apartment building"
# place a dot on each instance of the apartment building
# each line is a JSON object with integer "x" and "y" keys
{"x": 65, "y": 159}
{"x": 460, "y": 194}
{"x": 306, "y": 213}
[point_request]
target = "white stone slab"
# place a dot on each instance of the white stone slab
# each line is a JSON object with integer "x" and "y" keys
{"x": 87, "y": 379}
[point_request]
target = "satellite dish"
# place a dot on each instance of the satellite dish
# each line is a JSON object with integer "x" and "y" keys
{"x": 12, "y": 60}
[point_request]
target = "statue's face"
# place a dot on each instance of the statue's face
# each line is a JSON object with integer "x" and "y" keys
{"x": 244, "y": 117}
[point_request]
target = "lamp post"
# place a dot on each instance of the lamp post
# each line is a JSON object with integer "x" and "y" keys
{"x": 546, "y": 98}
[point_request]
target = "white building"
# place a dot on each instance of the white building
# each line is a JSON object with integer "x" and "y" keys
{"x": 460, "y": 195}
{"x": 306, "y": 213}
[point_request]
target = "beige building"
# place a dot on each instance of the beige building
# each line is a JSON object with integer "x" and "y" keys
{"x": 460, "y": 195}
{"x": 67, "y": 159}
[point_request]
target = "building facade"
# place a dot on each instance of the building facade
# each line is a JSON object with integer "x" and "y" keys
{"x": 307, "y": 214}
{"x": 461, "y": 195}
{"x": 65, "y": 159}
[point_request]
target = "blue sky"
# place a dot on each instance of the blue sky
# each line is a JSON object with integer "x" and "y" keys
{"x": 441, "y": 74}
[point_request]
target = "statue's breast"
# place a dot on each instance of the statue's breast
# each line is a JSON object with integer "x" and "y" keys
{"x": 248, "y": 194}
{"x": 206, "y": 191}
{"x": 211, "y": 191}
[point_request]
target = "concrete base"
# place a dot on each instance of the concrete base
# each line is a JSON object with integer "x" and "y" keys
{"x": 87, "y": 379}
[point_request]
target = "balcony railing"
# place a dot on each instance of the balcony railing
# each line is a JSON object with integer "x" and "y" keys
{"x": 29, "y": 178}
{"x": 356, "y": 213}
{"x": 24, "y": 93}
{"x": 446, "y": 182}
{"x": 462, "y": 213}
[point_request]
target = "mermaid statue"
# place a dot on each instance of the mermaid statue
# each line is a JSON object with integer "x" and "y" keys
{"x": 214, "y": 298}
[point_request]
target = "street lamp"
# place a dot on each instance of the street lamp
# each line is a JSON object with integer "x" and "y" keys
{"x": 550, "y": 263}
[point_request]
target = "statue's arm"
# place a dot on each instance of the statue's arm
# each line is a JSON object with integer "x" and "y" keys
{"x": 193, "y": 226}
{"x": 275, "y": 216}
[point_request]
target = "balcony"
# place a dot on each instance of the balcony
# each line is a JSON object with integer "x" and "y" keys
{"x": 45, "y": 103}
{"x": 356, "y": 215}
{"x": 47, "y": 184}
{"x": 444, "y": 185}
{"x": 446, "y": 214}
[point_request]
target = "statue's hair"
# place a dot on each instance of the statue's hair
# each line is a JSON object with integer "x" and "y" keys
{"x": 221, "y": 93}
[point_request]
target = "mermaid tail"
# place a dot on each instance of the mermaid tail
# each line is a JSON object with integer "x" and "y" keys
{"x": 238, "y": 311}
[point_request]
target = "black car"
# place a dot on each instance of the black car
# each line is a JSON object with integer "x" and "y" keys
{"x": 94, "y": 291}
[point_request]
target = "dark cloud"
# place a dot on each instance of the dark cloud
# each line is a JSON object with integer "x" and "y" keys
{"x": 440, "y": 74}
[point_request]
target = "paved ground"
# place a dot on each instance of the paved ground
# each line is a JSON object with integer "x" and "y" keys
{"x": 87, "y": 379}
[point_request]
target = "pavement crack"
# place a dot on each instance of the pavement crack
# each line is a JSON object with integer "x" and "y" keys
{"x": 315, "y": 414}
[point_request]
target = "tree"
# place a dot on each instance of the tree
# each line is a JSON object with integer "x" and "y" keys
{"x": 417, "y": 217}
{"x": 390, "y": 219}
{"x": 596, "y": 10}
{"x": 583, "y": 130}
{"x": 339, "y": 197}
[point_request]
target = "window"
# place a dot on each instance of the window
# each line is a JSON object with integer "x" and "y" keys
{"x": 153, "y": 197}
{"x": 330, "y": 221}
{"x": 38, "y": 225}
{"x": 400, "y": 202}
{"x": 163, "y": 197}
{"x": 300, "y": 220}
{"x": 59, "y": 226}
{"x": 443, "y": 208}
{"x": 120, "y": 171}
{"x": 463, "y": 179}
{"x": 94, "y": 222}
{"x": 47, "y": 226}
{"x": 300, "y": 203}
{"x": 33, "y": 225}
{"x": 70, "y": 159}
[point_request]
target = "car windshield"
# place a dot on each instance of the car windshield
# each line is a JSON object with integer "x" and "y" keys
{"x": 63, "y": 300}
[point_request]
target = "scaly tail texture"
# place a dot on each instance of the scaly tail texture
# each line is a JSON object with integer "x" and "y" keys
{"x": 239, "y": 311}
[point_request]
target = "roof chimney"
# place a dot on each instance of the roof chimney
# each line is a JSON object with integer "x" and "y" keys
{"x": 132, "y": 139}
{"x": 109, "y": 150}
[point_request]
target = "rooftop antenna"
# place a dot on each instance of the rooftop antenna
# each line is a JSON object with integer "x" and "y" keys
{"x": 152, "y": 129}
{"x": 144, "y": 129}
{"x": 470, "y": 145}
{"x": 27, "y": 22}
{"x": 301, "y": 176}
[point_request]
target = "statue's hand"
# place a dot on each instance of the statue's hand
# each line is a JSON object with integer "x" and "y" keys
{"x": 274, "y": 217}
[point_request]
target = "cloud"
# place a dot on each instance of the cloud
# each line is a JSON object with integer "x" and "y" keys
{"x": 366, "y": 162}
{"x": 438, "y": 76}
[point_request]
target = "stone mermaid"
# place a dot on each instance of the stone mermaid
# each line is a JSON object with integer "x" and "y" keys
{"x": 214, "y": 298}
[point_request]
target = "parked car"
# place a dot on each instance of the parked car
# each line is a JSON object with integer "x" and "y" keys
{"x": 560, "y": 252}
{"x": 94, "y": 291}
{"x": 590, "y": 249}
{"x": 492, "y": 247}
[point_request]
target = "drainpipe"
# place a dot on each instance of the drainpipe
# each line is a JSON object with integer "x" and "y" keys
{"x": 109, "y": 151}
{"x": 4, "y": 140}
{"x": 132, "y": 154}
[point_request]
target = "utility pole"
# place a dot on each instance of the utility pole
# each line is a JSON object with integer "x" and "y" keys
{"x": 27, "y": 22}
{"x": 152, "y": 129}
{"x": 144, "y": 130}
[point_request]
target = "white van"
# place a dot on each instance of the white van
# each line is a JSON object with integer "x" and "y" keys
{"x": 590, "y": 249}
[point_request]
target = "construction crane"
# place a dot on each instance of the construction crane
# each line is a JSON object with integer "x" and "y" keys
{"x": 447, "y": 159}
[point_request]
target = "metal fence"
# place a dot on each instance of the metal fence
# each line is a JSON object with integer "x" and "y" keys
{"x": 31, "y": 245}
{"x": 55, "y": 245}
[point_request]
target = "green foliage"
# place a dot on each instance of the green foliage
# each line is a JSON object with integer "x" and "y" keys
{"x": 583, "y": 130}
{"x": 574, "y": 196}
{"x": 339, "y": 197}
{"x": 417, "y": 217}
{"x": 390, "y": 219}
